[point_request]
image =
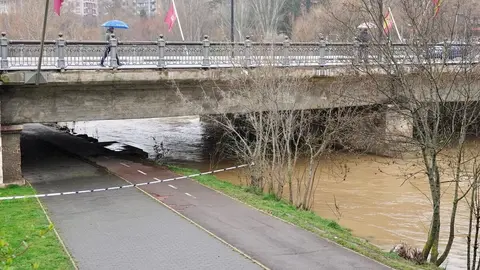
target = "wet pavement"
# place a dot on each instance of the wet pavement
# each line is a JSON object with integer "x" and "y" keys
{"x": 122, "y": 229}
{"x": 273, "y": 243}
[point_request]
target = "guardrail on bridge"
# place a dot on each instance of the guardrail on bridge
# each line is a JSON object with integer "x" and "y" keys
{"x": 62, "y": 54}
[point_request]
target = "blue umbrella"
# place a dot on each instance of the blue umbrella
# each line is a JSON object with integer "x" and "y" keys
{"x": 115, "y": 24}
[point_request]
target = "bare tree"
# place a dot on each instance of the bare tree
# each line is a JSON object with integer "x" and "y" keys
{"x": 270, "y": 128}
{"x": 471, "y": 173}
{"x": 441, "y": 101}
{"x": 267, "y": 16}
{"x": 244, "y": 24}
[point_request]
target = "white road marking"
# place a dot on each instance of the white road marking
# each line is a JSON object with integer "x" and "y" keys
{"x": 190, "y": 195}
{"x": 141, "y": 172}
{"x": 109, "y": 188}
{"x": 125, "y": 165}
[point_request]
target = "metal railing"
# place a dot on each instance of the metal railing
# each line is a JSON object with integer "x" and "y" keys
{"x": 61, "y": 54}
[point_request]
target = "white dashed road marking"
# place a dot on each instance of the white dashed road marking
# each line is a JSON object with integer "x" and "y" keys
{"x": 119, "y": 187}
{"x": 190, "y": 195}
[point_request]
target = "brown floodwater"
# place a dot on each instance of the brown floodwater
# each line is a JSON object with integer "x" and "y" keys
{"x": 372, "y": 199}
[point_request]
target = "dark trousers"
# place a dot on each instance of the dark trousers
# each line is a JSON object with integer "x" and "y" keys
{"x": 105, "y": 54}
{"x": 363, "y": 53}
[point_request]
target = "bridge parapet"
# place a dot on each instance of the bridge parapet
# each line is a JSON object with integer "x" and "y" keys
{"x": 61, "y": 54}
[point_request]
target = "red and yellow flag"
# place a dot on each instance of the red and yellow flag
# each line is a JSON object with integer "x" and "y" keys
{"x": 387, "y": 23}
{"x": 436, "y": 6}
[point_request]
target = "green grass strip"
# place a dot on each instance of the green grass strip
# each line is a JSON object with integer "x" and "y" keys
{"x": 307, "y": 220}
{"x": 24, "y": 219}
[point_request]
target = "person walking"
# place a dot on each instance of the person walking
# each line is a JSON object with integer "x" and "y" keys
{"x": 364, "y": 39}
{"x": 108, "y": 36}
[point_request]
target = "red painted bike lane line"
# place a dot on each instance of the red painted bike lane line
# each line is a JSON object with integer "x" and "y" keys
{"x": 178, "y": 194}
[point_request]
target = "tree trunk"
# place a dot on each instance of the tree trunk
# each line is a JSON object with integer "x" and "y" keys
{"x": 477, "y": 227}
{"x": 453, "y": 215}
{"x": 310, "y": 179}
{"x": 469, "y": 235}
{"x": 432, "y": 243}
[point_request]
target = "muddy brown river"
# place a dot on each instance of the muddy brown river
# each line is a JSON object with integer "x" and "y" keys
{"x": 371, "y": 199}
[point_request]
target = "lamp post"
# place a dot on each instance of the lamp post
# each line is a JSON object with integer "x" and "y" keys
{"x": 381, "y": 20}
{"x": 232, "y": 26}
{"x": 232, "y": 21}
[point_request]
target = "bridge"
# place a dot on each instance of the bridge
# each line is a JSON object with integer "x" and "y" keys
{"x": 158, "y": 76}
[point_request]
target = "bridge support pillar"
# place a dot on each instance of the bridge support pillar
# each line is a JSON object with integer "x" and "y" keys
{"x": 386, "y": 132}
{"x": 10, "y": 157}
{"x": 396, "y": 132}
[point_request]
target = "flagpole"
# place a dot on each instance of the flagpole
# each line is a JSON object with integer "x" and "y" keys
{"x": 178, "y": 18}
{"x": 39, "y": 67}
{"x": 395, "y": 24}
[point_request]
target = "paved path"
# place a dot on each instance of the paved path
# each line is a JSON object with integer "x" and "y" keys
{"x": 274, "y": 243}
{"x": 124, "y": 229}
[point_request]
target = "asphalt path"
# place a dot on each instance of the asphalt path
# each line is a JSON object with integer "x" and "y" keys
{"x": 124, "y": 229}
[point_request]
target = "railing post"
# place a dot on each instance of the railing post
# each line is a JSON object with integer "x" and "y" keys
{"x": 391, "y": 52}
{"x": 445, "y": 50}
{"x": 61, "y": 52}
{"x": 356, "y": 52}
{"x": 206, "y": 52}
{"x": 323, "y": 49}
{"x": 4, "y": 51}
{"x": 418, "y": 52}
{"x": 248, "y": 52}
{"x": 113, "y": 51}
{"x": 381, "y": 51}
{"x": 161, "y": 52}
{"x": 286, "y": 51}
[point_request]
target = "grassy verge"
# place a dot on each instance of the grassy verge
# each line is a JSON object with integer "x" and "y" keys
{"x": 305, "y": 219}
{"x": 25, "y": 220}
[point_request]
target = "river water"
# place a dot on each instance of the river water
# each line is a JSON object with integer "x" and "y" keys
{"x": 370, "y": 200}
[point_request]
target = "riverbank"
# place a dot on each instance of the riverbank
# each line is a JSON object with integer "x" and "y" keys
{"x": 307, "y": 220}
{"x": 25, "y": 220}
